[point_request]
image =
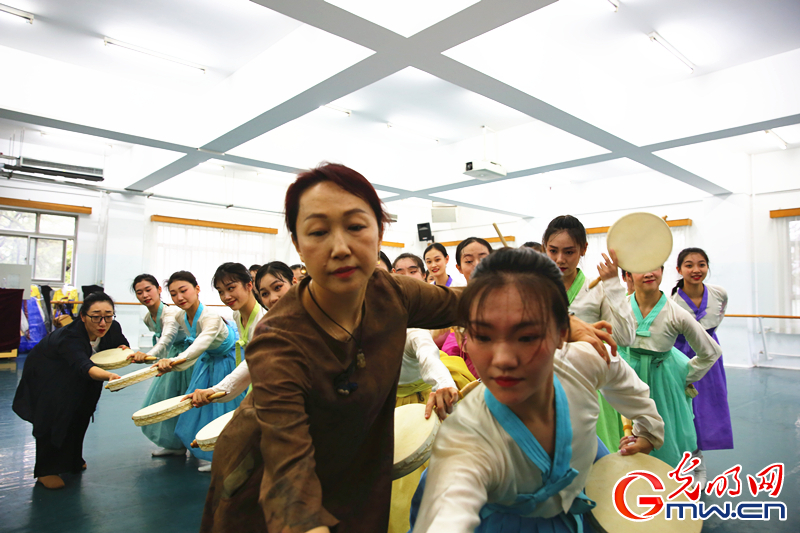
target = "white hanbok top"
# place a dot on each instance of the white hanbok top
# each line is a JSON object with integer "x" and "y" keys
{"x": 475, "y": 461}
{"x": 421, "y": 361}
{"x": 673, "y": 321}
{"x": 237, "y": 381}
{"x": 715, "y": 307}
{"x": 211, "y": 333}
{"x": 606, "y": 301}
{"x": 170, "y": 330}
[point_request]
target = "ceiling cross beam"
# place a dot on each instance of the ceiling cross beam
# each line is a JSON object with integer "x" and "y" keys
{"x": 424, "y": 52}
{"x": 393, "y": 53}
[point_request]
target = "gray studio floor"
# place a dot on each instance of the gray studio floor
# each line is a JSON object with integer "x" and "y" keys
{"x": 124, "y": 489}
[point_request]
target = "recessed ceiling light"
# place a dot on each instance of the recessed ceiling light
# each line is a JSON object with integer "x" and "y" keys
{"x": 114, "y": 43}
{"x": 780, "y": 142}
{"x": 658, "y": 39}
{"x": 17, "y": 14}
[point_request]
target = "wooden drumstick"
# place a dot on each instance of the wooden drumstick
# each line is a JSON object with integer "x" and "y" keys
{"x": 627, "y": 426}
{"x": 467, "y": 389}
{"x": 502, "y": 239}
{"x": 178, "y": 361}
{"x": 194, "y": 444}
{"x": 217, "y": 395}
{"x": 594, "y": 283}
{"x": 150, "y": 359}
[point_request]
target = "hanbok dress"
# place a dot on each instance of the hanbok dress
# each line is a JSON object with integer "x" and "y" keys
{"x": 712, "y": 417}
{"x": 488, "y": 473}
{"x": 169, "y": 341}
{"x": 605, "y": 301}
{"x": 211, "y": 341}
{"x": 239, "y": 381}
{"x": 668, "y": 372}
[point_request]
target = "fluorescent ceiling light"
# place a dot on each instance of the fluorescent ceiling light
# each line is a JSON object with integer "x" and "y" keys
{"x": 18, "y": 14}
{"x": 780, "y": 142}
{"x": 115, "y": 43}
{"x": 399, "y": 129}
{"x": 339, "y": 111}
{"x": 613, "y": 5}
{"x": 656, "y": 38}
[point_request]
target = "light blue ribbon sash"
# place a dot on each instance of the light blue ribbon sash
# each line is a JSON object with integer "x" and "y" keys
{"x": 643, "y": 323}
{"x": 556, "y": 474}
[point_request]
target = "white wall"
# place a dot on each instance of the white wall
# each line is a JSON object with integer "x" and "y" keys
{"x": 736, "y": 231}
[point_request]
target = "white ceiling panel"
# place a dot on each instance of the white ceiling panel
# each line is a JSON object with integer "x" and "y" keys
{"x": 103, "y": 99}
{"x": 601, "y": 67}
{"x": 405, "y": 17}
{"x": 222, "y": 36}
{"x": 617, "y": 183}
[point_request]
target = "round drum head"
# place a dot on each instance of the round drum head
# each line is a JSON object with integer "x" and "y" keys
{"x": 642, "y": 242}
{"x": 207, "y": 437}
{"x": 600, "y": 487}
{"x": 113, "y": 358}
{"x": 132, "y": 378}
{"x": 160, "y": 411}
{"x": 413, "y": 438}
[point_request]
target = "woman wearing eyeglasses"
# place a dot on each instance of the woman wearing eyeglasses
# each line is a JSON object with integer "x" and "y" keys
{"x": 60, "y": 387}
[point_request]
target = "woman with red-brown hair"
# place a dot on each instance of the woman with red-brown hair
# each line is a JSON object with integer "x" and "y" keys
{"x": 311, "y": 448}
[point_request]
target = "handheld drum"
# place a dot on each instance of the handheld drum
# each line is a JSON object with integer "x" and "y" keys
{"x": 166, "y": 409}
{"x": 600, "y": 487}
{"x": 642, "y": 242}
{"x": 114, "y": 358}
{"x": 206, "y": 438}
{"x": 413, "y": 438}
{"x": 160, "y": 411}
{"x": 136, "y": 377}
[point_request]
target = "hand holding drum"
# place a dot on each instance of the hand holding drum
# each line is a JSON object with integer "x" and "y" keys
{"x": 630, "y": 444}
{"x": 141, "y": 357}
{"x": 201, "y": 397}
{"x": 138, "y": 376}
{"x": 164, "y": 410}
{"x": 613, "y": 467}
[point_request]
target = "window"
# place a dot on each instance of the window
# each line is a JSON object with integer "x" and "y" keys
{"x": 201, "y": 250}
{"x": 42, "y": 240}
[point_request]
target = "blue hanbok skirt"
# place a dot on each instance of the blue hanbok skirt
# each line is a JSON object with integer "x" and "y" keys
{"x": 167, "y": 386}
{"x": 210, "y": 369}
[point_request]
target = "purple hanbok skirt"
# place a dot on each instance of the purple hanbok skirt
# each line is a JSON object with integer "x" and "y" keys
{"x": 712, "y": 417}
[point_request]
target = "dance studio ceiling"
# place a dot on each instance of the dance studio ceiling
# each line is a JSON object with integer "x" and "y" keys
{"x": 573, "y": 93}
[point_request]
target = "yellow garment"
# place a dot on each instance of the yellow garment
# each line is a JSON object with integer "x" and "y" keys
{"x": 412, "y": 388}
{"x": 403, "y": 489}
{"x": 71, "y": 296}
{"x": 458, "y": 370}
{"x": 418, "y": 392}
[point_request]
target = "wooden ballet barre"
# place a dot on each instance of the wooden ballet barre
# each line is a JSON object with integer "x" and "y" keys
{"x": 75, "y": 302}
{"x": 764, "y": 316}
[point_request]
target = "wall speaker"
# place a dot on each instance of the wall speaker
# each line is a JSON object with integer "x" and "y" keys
{"x": 424, "y": 232}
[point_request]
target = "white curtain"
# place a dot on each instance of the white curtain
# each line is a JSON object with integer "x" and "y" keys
{"x": 201, "y": 250}
{"x": 787, "y": 272}
{"x": 597, "y": 247}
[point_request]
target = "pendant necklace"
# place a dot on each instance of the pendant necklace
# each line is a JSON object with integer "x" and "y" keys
{"x": 342, "y": 382}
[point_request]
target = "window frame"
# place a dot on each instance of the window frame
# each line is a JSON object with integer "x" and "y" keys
{"x": 35, "y": 235}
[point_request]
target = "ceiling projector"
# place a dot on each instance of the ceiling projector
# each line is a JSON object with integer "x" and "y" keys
{"x": 484, "y": 170}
